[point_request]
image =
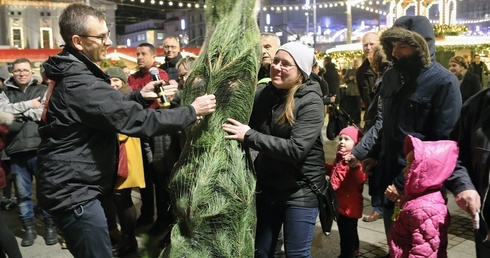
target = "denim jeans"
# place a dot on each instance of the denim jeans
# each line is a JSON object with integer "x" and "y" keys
{"x": 298, "y": 226}
{"x": 23, "y": 166}
{"x": 377, "y": 203}
{"x": 85, "y": 230}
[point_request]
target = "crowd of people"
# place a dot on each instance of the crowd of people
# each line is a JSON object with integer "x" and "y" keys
{"x": 90, "y": 136}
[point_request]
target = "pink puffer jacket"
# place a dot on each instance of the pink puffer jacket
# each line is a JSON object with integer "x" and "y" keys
{"x": 420, "y": 229}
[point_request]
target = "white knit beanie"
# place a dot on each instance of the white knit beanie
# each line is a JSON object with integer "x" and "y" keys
{"x": 302, "y": 55}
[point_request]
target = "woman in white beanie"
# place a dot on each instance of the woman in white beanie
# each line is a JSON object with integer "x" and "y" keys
{"x": 285, "y": 128}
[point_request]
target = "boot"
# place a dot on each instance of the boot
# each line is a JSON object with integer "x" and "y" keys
{"x": 50, "y": 236}
{"x": 115, "y": 236}
{"x": 30, "y": 232}
{"x": 127, "y": 245}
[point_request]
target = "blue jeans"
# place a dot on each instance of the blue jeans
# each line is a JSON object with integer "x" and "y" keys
{"x": 377, "y": 203}
{"x": 24, "y": 166}
{"x": 298, "y": 226}
{"x": 85, "y": 231}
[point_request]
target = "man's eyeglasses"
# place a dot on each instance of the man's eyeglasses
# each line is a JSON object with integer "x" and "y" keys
{"x": 25, "y": 71}
{"x": 103, "y": 38}
{"x": 170, "y": 47}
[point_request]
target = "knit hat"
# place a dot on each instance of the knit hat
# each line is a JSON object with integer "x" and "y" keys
{"x": 353, "y": 132}
{"x": 116, "y": 72}
{"x": 459, "y": 60}
{"x": 302, "y": 55}
{"x": 4, "y": 72}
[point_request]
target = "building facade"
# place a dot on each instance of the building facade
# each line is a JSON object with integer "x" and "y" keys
{"x": 187, "y": 25}
{"x": 34, "y": 24}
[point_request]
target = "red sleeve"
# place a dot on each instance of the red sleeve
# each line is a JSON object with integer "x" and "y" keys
{"x": 361, "y": 177}
{"x": 339, "y": 173}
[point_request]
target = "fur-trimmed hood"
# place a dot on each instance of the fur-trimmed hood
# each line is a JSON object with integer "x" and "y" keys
{"x": 415, "y": 31}
{"x": 6, "y": 118}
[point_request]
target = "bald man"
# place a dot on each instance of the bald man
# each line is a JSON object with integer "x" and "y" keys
{"x": 365, "y": 75}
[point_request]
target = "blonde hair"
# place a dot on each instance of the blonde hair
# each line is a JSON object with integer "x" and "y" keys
{"x": 287, "y": 115}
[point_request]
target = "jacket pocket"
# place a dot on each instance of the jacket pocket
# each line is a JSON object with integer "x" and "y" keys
{"x": 417, "y": 113}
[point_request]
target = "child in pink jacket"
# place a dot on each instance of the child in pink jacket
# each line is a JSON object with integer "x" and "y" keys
{"x": 347, "y": 180}
{"x": 420, "y": 229}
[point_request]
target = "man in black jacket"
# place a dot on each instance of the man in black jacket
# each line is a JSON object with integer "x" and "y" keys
{"x": 25, "y": 96}
{"x": 171, "y": 46}
{"x": 270, "y": 44}
{"x": 366, "y": 78}
{"x": 470, "y": 178}
{"x": 78, "y": 154}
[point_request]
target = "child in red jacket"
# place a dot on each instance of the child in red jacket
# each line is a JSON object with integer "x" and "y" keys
{"x": 347, "y": 180}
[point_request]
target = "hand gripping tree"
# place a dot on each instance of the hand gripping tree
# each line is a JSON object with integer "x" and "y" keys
{"x": 213, "y": 182}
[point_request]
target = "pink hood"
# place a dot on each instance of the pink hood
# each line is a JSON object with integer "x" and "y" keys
{"x": 433, "y": 164}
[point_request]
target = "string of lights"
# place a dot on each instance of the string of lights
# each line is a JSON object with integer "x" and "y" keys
{"x": 170, "y": 4}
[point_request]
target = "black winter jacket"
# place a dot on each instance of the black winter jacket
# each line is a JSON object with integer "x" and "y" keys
{"x": 470, "y": 86}
{"x": 78, "y": 154}
{"x": 170, "y": 67}
{"x": 424, "y": 104}
{"x": 472, "y": 132}
{"x": 366, "y": 77}
{"x": 287, "y": 152}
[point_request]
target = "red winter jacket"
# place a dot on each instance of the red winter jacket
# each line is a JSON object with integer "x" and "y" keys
{"x": 348, "y": 184}
{"x": 142, "y": 77}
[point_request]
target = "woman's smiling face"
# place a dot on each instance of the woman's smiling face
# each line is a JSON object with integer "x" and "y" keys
{"x": 284, "y": 71}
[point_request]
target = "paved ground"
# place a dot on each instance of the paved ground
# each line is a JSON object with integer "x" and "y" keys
{"x": 373, "y": 242}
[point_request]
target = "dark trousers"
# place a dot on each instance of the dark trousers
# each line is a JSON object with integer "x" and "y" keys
{"x": 349, "y": 238}
{"x": 85, "y": 231}
{"x": 482, "y": 247}
{"x": 8, "y": 244}
{"x": 298, "y": 226}
{"x": 126, "y": 212}
{"x": 147, "y": 193}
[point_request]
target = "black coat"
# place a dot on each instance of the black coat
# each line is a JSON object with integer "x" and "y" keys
{"x": 287, "y": 152}
{"x": 472, "y": 132}
{"x": 470, "y": 85}
{"x": 78, "y": 154}
{"x": 366, "y": 77}
{"x": 332, "y": 78}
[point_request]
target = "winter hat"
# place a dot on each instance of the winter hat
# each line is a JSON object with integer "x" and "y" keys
{"x": 116, "y": 72}
{"x": 4, "y": 72}
{"x": 459, "y": 60}
{"x": 353, "y": 132}
{"x": 302, "y": 55}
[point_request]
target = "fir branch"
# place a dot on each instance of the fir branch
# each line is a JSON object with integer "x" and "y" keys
{"x": 213, "y": 183}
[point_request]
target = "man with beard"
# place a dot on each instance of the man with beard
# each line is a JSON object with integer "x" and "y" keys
{"x": 172, "y": 56}
{"x": 420, "y": 98}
